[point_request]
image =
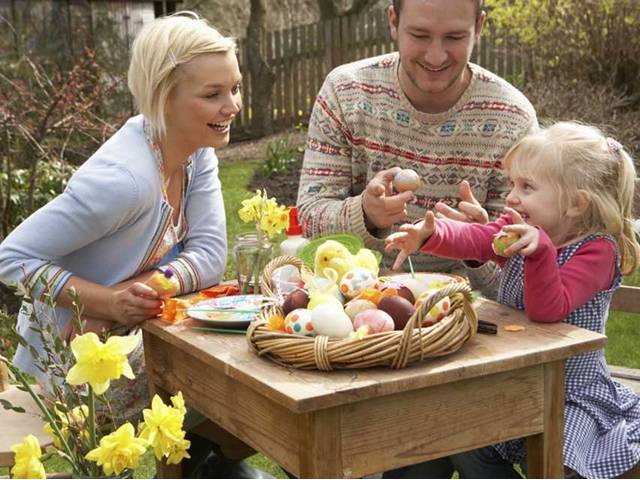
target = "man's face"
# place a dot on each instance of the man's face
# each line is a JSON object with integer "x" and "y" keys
{"x": 435, "y": 39}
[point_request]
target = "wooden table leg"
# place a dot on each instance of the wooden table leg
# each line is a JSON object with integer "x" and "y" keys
{"x": 162, "y": 469}
{"x": 320, "y": 448}
{"x": 544, "y": 451}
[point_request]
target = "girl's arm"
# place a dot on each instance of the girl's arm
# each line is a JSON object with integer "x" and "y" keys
{"x": 465, "y": 241}
{"x": 552, "y": 292}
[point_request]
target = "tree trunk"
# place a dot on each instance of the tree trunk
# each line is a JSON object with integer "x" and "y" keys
{"x": 262, "y": 77}
{"x": 330, "y": 8}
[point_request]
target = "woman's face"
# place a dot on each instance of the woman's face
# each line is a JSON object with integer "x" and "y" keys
{"x": 204, "y": 101}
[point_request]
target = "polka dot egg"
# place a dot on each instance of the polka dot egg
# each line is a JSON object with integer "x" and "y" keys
{"x": 298, "y": 322}
{"x": 356, "y": 280}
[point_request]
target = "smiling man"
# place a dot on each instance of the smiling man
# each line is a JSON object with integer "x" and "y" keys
{"x": 424, "y": 107}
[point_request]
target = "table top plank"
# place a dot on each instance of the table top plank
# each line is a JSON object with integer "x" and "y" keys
{"x": 302, "y": 391}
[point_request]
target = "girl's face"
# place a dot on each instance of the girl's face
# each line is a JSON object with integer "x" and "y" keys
{"x": 204, "y": 101}
{"x": 538, "y": 201}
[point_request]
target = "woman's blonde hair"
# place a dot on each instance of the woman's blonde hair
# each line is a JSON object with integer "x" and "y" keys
{"x": 580, "y": 160}
{"x": 161, "y": 47}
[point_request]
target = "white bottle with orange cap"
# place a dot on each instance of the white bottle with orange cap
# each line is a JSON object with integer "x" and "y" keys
{"x": 295, "y": 241}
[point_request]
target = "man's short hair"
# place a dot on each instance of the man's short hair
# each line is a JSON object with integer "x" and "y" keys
{"x": 397, "y": 5}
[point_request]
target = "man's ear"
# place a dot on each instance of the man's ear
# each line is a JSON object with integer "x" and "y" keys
{"x": 579, "y": 203}
{"x": 480, "y": 25}
{"x": 392, "y": 17}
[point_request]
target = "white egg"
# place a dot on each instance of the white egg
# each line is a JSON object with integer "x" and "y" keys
{"x": 330, "y": 320}
{"x": 356, "y": 280}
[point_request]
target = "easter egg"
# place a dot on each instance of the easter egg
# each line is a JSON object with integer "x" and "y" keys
{"x": 298, "y": 322}
{"x": 400, "y": 288}
{"x": 317, "y": 299}
{"x": 503, "y": 240}
{"x": 354, "y": 307}
{"x": 399, "y": 309}
{"x": 330, "y": 320}
{"x": 296, "y": 299}
{"x": 406, "y": 179}
{"x": 437, "y": 312}
{"x": 286, "y": 278}
{"x": 356, "y": 280}
{"x": 324, "y": 285}
{"x": 375, "y": 320}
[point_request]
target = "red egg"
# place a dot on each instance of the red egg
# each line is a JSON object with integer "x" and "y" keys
{"x": 399, "y": 308}
{"x": 402, "y": 290}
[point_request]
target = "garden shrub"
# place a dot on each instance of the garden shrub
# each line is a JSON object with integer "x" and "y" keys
{"x": 593, "y": 40}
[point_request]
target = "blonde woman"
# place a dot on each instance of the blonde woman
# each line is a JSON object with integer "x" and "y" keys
{"x": 149, "y": 198}
{"x": 570, "y": 204}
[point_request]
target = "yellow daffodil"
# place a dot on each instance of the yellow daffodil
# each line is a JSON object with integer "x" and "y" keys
{"x": 27, "y": 459}
{"x": 73, "y": 421}
{"x": 118, "y": 451}
{"x": 162, "y": 428}
{"x": 98, "y": 363}
{"x": 270, "y": 218}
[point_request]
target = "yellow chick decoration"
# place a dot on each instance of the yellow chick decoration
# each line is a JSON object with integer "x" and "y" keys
{"x": 366, "y": 259}
{"x": 332, "y": 254}
{"x": 336, "y": 256}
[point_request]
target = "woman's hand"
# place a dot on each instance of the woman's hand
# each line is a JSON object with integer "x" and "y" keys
{"x": 134, "y": 304}
{"x": 410, "y": 238}
{"x": 529, "y": 235}
{"x": 469, "y": 209}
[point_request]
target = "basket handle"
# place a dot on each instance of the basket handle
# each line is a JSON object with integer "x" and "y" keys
{"x": 448, "y": 291}
{"x": 266, "y": 284}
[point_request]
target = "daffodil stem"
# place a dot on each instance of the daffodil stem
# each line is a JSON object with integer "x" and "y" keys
{"x": 45, "y": 411}
{"x": 92, "y": 418}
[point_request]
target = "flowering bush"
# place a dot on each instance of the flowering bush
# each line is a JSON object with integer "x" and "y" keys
{"x": 88, "y": 438}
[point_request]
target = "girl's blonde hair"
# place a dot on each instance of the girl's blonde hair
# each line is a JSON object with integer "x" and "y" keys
{"x": 579, "y": 158}
{"x": 157, "y": 52}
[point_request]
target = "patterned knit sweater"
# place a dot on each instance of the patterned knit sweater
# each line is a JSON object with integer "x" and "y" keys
{"x": 362, "y": 123}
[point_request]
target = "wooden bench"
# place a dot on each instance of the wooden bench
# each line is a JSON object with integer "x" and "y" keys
{"x": 16, "y": 426}
{"x": 627, "y": 299}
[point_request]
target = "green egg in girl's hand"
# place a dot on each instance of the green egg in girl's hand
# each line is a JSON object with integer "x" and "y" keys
{"x": 503, "y": 240}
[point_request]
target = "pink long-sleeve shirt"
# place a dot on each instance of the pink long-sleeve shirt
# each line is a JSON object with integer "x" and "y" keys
{"x": 551, "y": 291}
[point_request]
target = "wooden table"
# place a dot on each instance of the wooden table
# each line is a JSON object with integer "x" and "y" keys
{"x": 353, "y": 423}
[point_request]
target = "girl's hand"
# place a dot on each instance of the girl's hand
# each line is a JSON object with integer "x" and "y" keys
{"x": 135, "y": 304}
{"x": 529, "y": 235}
{"x": 410, "y": 238}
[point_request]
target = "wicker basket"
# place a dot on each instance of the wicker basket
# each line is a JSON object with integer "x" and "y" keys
{"x": 395, "y": 349}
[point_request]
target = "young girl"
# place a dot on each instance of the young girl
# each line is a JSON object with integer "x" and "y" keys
{"x": 570, "y": 203}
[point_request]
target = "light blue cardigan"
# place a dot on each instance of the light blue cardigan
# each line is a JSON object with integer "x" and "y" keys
{"x": 109, "y": 221}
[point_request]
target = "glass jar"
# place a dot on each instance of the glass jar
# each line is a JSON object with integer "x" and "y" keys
{"x": 250, "y": 256}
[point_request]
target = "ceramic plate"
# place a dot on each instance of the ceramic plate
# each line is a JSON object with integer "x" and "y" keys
{"x": 236, "y": 311}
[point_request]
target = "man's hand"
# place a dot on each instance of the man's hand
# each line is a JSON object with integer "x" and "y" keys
{"x": 410, "y": 238}
{"x": 381, "y": 208}
{"x": 469, "y": 209}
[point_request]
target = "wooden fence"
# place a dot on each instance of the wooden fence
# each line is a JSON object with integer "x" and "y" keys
{"x": 302, "y": 56}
